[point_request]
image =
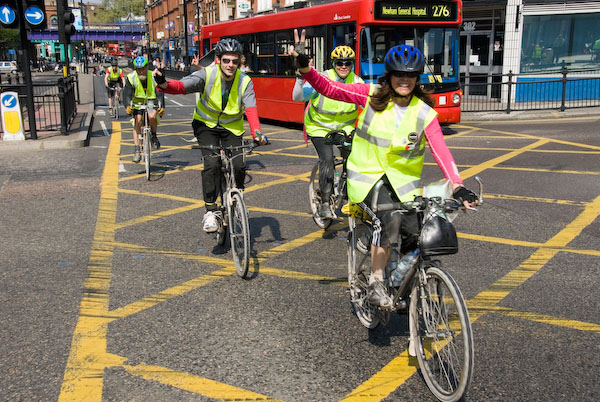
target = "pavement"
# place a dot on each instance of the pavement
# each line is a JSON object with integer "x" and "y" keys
{"x": 82, "y": 125}
{"x": 80, "y": 128}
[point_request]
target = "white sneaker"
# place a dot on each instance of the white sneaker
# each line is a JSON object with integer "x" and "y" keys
{"x": 210, "y": 222}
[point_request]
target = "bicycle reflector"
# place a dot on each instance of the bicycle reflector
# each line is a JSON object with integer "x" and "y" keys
{"x": 438, "y": 237}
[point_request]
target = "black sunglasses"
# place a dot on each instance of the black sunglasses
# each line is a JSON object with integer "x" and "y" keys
{"x": 410, "y": 74}
{"x": 225, "y": 60}
{"x": 343, "y": 63}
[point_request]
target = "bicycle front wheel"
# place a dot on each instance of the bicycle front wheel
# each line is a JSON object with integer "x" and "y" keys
{"x": 239, "y": 234}
{"x": 116, "y": 105}
{"x": 147, "y": 151}
{"x": 314, "y": 198}
{"x": 359, "y": 268}
{"x": 441, "y": 331}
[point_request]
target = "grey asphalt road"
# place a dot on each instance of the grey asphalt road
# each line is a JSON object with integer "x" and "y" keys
{"x": 111, "y": 291}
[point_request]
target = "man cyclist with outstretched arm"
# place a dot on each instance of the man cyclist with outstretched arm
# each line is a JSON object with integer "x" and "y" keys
{"x": 113, "y": 81}
{"x": 139, "y": 89}
{"x": 226, "y": 93}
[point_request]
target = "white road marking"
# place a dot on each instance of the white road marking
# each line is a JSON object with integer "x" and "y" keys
{"x": 104, "y": 129}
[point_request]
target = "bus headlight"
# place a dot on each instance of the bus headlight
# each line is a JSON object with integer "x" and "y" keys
{"x": 456, "y": 99}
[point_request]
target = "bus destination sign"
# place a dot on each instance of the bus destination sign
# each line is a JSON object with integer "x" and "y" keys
{"x": 416, "y": 10}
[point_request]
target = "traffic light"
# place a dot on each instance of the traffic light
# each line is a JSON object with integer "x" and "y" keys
{"x": 66, "y": 19}
{"x": 9, "y": 14}
{"x": 35, "y": 14}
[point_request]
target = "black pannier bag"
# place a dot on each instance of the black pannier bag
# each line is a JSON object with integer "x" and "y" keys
{"x": 438, "y": 237}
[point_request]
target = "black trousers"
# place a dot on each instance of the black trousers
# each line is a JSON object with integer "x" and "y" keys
{"x": 326, "y": 168}
{"x": 396, "y": 229}
{"x": 211, "y": 175}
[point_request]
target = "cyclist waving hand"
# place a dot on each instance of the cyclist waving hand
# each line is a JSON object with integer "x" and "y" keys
{"x": 226, "y": 93}
{"x": 389, "y": 144}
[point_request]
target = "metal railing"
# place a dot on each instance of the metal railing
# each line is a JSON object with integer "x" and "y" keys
{"x": 557, "y": 90}
{"x": 55, "y": 104}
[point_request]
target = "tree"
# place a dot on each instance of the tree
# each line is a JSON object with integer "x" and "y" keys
{"x": 113, "y": 10}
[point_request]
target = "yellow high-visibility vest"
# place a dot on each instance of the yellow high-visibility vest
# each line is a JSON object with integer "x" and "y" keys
{"x": 209, "y": 108}
{"x": 326, "y": 114}
{"x": 382, "y": 145}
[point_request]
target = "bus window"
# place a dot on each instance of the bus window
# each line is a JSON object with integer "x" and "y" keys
{"x": 265, "y": 53}
{"x": 343, "y": 35}
{"x": 316, "y": 47}
{"x": 285, "y": 63}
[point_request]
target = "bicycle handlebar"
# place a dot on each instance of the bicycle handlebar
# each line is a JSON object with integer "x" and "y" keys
{"x": 420, "y": 203}
{"x": 218, "y": 148}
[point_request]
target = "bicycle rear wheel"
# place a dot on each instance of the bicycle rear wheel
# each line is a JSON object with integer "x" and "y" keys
{"x": 147, "y": 150}
{"x": 359, "y": 268}
{"x": 239, "y": 233}
{"x": 441, "y": 331}
{"x": 314, "y": 198}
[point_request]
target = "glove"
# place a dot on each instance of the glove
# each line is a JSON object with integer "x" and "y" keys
{"x": 159, "y": 79}
{"x": 302, "y": 60}
{"x": 129, "y": 110}
{"x": 257, "y": 137}
{"x": 463, "y": 194}
{"x": 161, "y": 111}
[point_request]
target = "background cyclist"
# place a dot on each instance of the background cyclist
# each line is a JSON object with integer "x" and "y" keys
{"x": 389, "y": 144}
{"x": 140, "y": 88}
{"x": 324, "y": 115}
{"x": 226, "y": 93}
{"x": 113, "y": 80}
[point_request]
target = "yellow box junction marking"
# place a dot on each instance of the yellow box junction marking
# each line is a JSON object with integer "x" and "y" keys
{"x": 88, "y": 358}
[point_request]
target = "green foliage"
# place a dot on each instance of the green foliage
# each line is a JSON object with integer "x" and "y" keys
{"x": 9, "y": 38}
{"x": 111, "y": 11}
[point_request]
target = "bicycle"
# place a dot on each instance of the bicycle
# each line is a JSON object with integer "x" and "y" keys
{"x": 440, "y": 329}
{"x": 234, "y": 213}
{"x": 114, "y": 111}
{"x": 343, "y": 142}
{"x": 144, "y": 135}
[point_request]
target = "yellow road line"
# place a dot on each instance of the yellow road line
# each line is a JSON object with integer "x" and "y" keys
{"x": 472, "y": 171}
{"x": 84, "y": 373}
{"x": 198, "y": 385}
{"x": 160, "y": 195}
{"x": 534, "y": 199}
{"x": 386, "y": 381}
{"x": 279, "y": 211}
{"x": 502, "y": 287}
{"x": 548, "y": 151}
{"x": 546, "y": 319}
{"x": 158, "y": 215}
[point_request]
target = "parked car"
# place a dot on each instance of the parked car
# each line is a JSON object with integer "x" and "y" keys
{"x": 7, "y": 67}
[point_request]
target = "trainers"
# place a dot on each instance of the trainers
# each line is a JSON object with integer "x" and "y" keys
{"x": 377, "y": 295}
{"x": 137, "y": 156}
{"x": 155, "y": 142}
{"x": 325, "y": 211}
{"x": 210, "y": 222}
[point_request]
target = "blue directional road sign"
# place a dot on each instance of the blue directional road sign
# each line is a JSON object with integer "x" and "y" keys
{"x": 7, "y": 15}
{"x": 9, "y": 100}
{"x": 34, "y": 15}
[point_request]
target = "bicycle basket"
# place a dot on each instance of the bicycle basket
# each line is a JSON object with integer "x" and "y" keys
{"x": 438, "y": 236}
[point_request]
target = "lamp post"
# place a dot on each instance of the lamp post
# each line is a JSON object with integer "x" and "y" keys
{"x": 185, "y": 34}
{"x": 198, "y": 11}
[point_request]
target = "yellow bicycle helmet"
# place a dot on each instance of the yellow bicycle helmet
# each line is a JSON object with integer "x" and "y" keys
{"x": 342, "y": 52}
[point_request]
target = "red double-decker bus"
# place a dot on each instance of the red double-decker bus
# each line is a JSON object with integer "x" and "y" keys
{"x": 371, "y": 27}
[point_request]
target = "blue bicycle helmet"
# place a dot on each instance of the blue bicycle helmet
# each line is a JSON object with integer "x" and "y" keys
{"x": 140, "y": 62}
{"x": 404, "y": 58}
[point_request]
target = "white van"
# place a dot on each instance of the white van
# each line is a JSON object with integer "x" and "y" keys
{"x": 7, "y": 67}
